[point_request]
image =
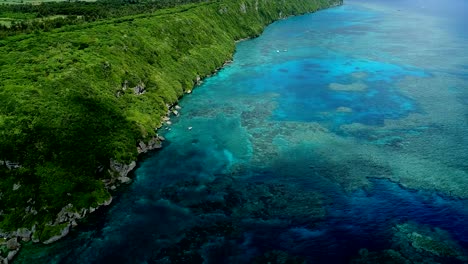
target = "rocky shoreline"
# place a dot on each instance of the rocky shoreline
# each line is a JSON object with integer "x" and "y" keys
{"x": 69, "y": 216}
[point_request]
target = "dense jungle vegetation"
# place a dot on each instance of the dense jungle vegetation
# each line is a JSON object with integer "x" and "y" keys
{"x": 67, "y": 103}
{"x": 30, "y": 18}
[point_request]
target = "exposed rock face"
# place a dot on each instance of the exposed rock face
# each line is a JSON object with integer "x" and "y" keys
{"x": 67, "y": 213}
{"x": 13, "y": 247}
{"x": 63, "y": 232}
{"x": 107, "y": 202}
{"x": 121, "y": 169}
{"x": 223, "y": 10}
{"x": 10, "y": 164}
{"x": 124, "y": 180}
{"x": 13, "y": 244}
{"x": 11, "y": 255}
{"x": 243, "y": 8}
{"x": 66, "y": 219}
{"x": 16, "y": 186}
{"x": 139, "y": 89}
{"x": 24, "y": 234}
{"x": 153, "y": 143}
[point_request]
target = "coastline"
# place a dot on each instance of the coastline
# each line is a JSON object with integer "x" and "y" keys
{"x": 69, "y": 217}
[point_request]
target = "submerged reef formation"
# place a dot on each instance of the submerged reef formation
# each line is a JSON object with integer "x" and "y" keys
{"x": 413, "y": 243}
{"x": 278, "y": 257}
{"x": 228, "y": 208}
{"x": 353, "y": 87}
{"x": 244, "y": 200}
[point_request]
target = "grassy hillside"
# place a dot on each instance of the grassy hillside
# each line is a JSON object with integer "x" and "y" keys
{"x": 34, "y": 2}
{"x": 68, "y": 103}
{"x": 48, "y": 15}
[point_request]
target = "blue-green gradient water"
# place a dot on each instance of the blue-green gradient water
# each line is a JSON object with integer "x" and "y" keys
{"x": 335, "y": 137}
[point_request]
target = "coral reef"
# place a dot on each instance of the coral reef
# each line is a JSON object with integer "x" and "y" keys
{"x": 278, "y": 257}
{"x": 413, "y": 243}
{"x": 239, "y": 207}
{"x": 353, "y": 87}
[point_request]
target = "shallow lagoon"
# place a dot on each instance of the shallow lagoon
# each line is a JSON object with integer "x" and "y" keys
{"x": 333, "y": 137}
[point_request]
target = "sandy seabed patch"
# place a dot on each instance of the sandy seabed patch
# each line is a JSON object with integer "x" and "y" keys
{"x": 353, "y": 87}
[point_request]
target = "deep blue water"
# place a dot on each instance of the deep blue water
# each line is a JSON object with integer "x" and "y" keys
{"x": 333, "y": 132}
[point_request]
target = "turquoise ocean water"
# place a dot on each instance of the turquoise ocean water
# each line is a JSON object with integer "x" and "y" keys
{"x": 334, "y": 137}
